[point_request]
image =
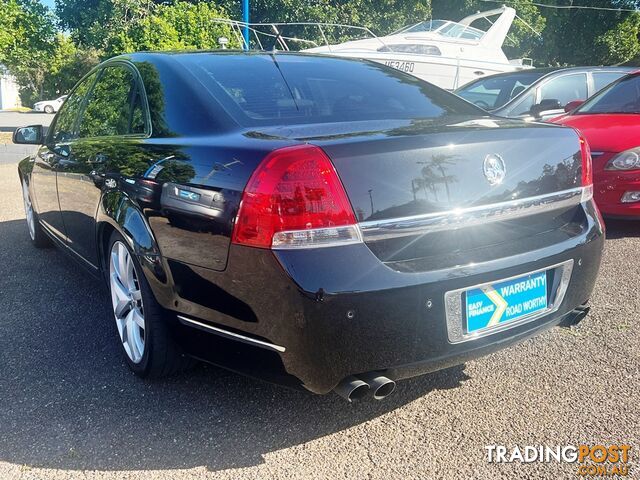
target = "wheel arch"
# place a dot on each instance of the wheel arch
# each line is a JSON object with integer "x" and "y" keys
{"x": 117, "y": 212}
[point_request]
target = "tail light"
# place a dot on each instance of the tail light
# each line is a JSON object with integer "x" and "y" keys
{"x": 295, "y": 199}
{"x": 587, "y": 170}
{"x": 587, "y": 167}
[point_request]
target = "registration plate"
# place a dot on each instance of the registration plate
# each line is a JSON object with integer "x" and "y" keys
{"x": 493, "y": 305}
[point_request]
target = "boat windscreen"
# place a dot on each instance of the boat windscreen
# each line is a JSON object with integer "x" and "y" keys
{"x": 428, "y": 26}
{"x": 444, "y": 28}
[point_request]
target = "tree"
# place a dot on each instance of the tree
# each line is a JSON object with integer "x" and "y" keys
{"x": 90, "y": 22}
{"x": 180, "y": 26}
{"x": 590, "y": 37}
{"x": 27, "y": 38}
{"x": 67, "y": 65}
{"x": 383, "y": 16}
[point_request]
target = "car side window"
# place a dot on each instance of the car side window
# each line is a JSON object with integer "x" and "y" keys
{"x": 115, "y": 106}
{"x": 523, "y": 107}
{"x": 565, "y": 89}
{"x": 64, "y": 128}
{"x": 602, "y": 79}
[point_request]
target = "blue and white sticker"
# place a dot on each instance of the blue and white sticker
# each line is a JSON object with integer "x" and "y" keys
{"x": 506, "y": 301}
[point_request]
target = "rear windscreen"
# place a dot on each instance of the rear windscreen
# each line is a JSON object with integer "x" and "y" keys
{"x": 295, "y": 89}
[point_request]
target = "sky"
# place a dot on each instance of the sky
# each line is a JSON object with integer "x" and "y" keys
{"x": 49, "y": 3}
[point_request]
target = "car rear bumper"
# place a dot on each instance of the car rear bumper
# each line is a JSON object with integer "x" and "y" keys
{"x": 340, "y": 311}
{"x": 609, "y": 188}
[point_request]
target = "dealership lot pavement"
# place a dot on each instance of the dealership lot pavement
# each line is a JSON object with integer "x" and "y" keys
{"x": 69, "y": 408}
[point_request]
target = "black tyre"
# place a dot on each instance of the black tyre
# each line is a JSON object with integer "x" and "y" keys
{"x": 142, "y": 323}
{"x": 36, "y": 234}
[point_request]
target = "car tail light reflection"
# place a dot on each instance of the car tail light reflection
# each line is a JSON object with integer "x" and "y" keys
{"x": 295, "y": 199}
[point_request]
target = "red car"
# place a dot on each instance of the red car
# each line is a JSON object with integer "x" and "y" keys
{"x": 610, "y": 122}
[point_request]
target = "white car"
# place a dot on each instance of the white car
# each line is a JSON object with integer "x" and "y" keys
{"x": 50, "y": 106}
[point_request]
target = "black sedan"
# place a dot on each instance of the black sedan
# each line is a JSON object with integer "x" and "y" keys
{"x": 320, "y": 222}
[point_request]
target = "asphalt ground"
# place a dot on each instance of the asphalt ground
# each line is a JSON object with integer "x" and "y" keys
{"x": 69, "y": 408}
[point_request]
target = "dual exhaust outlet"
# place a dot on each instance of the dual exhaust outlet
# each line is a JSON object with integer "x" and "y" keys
{"x": 354, "y": 388}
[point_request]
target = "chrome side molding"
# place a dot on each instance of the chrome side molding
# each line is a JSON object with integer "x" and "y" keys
{"x": 472, "y": 216}
{"x": 231, "y": 335}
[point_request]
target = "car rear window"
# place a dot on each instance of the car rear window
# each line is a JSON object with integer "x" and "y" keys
{"x": 295, "y": 89}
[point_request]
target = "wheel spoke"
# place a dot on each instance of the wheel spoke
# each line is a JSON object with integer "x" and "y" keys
{"x": 126, "y": 299}
{"x": 137, "y": 318}
{"x": 122, "y": 264}
{"x": 121, "y": 300}
{"x": 133, "y": 337}
{"x": 130, "y": 273}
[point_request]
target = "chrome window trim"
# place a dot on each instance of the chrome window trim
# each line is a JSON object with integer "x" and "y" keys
{"x": 468, "y": 217}
{"x": 231, "y": 335}
{"x": 454, "y": 308}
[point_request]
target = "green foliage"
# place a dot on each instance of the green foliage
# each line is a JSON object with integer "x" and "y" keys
{"x": 620, "y": 44}
{"x": 180, "y": 26}
{"x": 26, "y": 41}
{"x": 67, "y": 65}
{"x": 382, "y": 16}
{"x": 589, "y": 37}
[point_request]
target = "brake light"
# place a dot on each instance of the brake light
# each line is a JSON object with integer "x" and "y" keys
{"x": 295, "y": 199}
{"x": 587, "y": 168}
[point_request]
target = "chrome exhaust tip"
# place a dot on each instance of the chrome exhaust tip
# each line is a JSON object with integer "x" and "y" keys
{"x": 575, "y": 316}
{"x": 352, "y": 389}
{"x": 380, "y": 385}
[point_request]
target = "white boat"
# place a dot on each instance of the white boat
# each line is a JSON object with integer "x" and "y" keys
{"x": 448, "y": 54}
{"x": 445, "y": 53}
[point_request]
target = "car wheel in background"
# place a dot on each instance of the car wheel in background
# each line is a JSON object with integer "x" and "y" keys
{"x": 142, "y": 324}
{"x": 48, "y": 109}
{"x": 37, "y": 235}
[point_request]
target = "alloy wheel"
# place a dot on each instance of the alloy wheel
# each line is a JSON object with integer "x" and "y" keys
{"x": 28, "y": 210}
{"x": 126, "y": 299}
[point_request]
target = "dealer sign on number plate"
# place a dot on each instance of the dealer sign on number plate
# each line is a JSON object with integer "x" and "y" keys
{"x": 506, "y": 301}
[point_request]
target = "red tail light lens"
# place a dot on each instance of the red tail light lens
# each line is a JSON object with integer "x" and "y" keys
{"x": 587, "y": 167}
{"x": 295, "y": 199}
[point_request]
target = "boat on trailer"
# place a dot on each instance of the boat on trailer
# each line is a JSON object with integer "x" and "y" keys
{"x": 446, "y": 53}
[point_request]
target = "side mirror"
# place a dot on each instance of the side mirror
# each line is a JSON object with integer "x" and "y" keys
{"x": 571, "y": 106}
{"x": 31, "y": 135}
{"x": 544, "y": 105}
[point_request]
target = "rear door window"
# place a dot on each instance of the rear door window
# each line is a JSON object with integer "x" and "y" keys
{"x": 115, "y": 106}
{"x": 565, "y": 89}
{"x": 602, "y": 79}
